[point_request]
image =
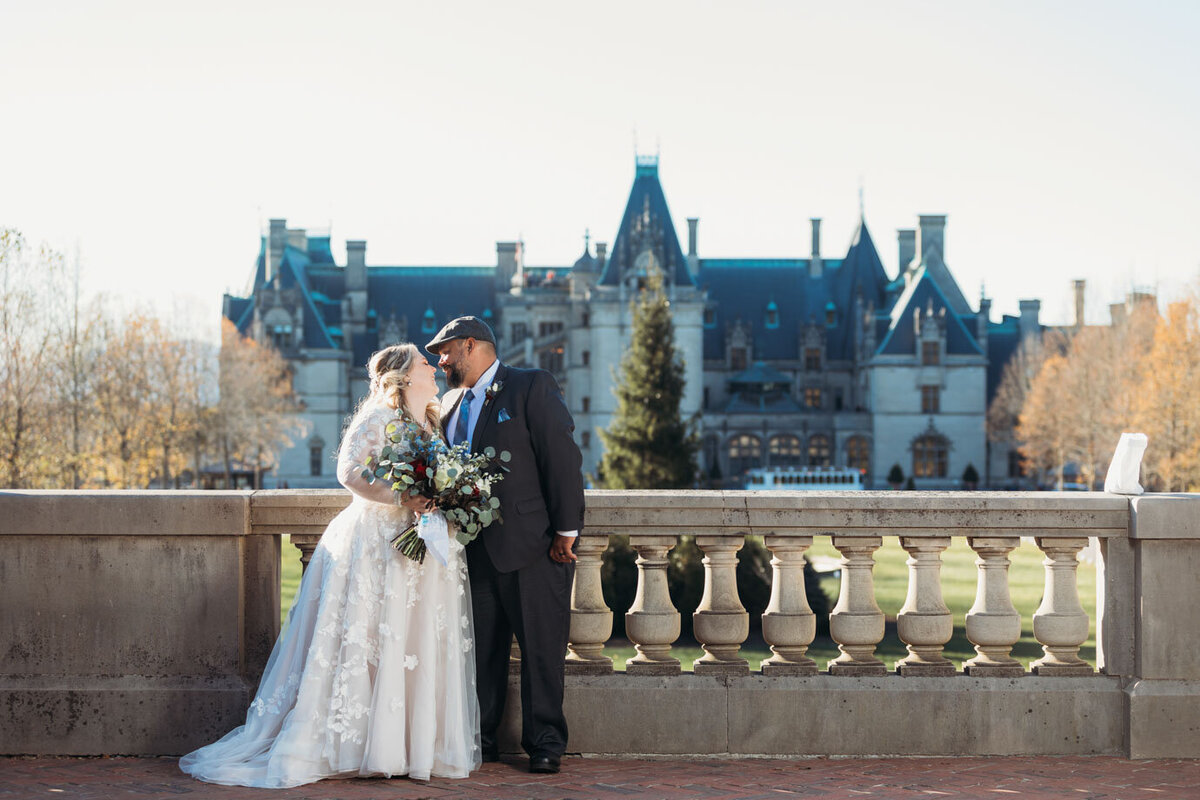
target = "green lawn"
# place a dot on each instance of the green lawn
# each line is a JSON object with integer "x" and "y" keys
{"x": 891, "y": 586}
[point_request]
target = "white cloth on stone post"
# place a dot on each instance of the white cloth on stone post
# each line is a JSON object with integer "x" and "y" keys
{"x": 1125, "y": 468}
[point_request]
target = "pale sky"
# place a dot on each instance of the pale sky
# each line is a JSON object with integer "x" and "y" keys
{"x": 1060, "y": 138}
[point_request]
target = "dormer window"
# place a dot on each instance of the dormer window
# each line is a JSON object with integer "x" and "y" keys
{"x": 830, "y": 314}
{"x": 772, "y": 320}
{"x": 429, "y": 322}
{"x": 710, "y": 318}
{"x": 931, "y": 353}
{"x": 281, "y": 336}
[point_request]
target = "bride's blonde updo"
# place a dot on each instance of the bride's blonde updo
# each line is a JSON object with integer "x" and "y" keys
{"x": 388, "y": 372}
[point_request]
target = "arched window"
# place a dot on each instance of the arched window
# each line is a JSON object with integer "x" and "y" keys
{"x": 818, "y": 450}
{"x": 858, "y": 453}
{"x": 428, "y": 321}
{"x": 786, "y": 451}
{"x": 745, "y": 452}
{"x": 929, "y": 456}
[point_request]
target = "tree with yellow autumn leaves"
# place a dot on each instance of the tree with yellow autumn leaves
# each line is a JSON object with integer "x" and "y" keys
{"x": 90, "y": 398}
{"x": 1142, "y": 373}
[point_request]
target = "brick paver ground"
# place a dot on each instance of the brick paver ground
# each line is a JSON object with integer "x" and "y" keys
{"x": 1092, "y": 778}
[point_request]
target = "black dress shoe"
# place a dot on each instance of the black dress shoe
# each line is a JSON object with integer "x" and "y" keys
{"x": 545, "y": 764}
{"x": 490, "y": 756}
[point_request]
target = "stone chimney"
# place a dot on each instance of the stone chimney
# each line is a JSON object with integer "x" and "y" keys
{"x": 693, "y": 257}
{"x": 907, "y": 240}
{"x": 814, "y": 265}
{"x": 1028, "y": 324}
{"x": 1079, "y": 286}
{"x": 276, "y": 240}
{"x": 356, "y": 265}
{"x": 981, "y": 327}
{"x": 298, "y": 238}
{"x": 932, "y": 236}
{"x": 1116, "y": 312}
{"x": 506, "y": 264}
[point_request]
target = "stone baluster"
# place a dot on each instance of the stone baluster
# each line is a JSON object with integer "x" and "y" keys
{"x": 306, "y": 543}
{"x": 1060, "y": 623}
{"x": 924, "y": 623}
{"x": 591, "y": 619}
{"x": 720, "y": 622}
{"x": 652, "y": 622}
{"x": 993, "y": 624}
{"x": 788, "y": 624}
{"x": 856, "y": 623}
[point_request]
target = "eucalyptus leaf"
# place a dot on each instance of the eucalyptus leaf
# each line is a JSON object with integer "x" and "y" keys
{"x": 381, "y": 472}
{"x": 505, "y": 456}
{"x": 494, "y": 502}
{"x": 452, "y": 472}
{"x": 485, "y": 517}
{"x": 367, "y": 475}
{"x": 490, "y": 452}
{"x": 465, "y": 490}
{"x": 464, "y": 538}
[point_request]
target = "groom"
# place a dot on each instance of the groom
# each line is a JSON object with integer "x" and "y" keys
{"x": 520, "y": 569}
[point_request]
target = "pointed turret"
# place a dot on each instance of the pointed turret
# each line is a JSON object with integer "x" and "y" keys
{"x": 646, "y": 238}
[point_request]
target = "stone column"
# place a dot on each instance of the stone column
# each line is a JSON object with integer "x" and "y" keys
{"x": 720, "y": 622}
{"x": 925, "y": 624}
{"x": 789, "y": 625}
{"x": 1060, "y": 623}
{"x": 591, "y": 619}
{"x": 652, "y": 623}
{"x": 993, "y": 624}
{"x": 306, "y": 543}
{"x": 856, "y": 623}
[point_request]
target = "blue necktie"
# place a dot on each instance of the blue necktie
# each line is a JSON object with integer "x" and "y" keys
{"x": 464, "y": 417}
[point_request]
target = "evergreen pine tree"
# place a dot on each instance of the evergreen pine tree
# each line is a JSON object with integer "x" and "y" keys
{"x": 648, "y": 445}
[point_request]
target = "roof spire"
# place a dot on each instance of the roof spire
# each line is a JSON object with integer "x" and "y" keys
{"x": 862, "y": 214}
{"x": 587, "y": 240}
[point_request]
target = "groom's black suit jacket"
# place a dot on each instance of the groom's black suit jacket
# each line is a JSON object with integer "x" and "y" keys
{"x": 543, "y": 490}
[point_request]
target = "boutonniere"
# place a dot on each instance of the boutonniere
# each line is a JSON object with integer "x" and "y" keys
{"x": 492, "y": 391}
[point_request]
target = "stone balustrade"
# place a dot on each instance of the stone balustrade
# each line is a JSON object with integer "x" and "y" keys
{"x": 200, "y": 563}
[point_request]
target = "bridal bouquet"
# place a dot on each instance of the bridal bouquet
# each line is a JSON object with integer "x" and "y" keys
{"x": 459, "y": 482}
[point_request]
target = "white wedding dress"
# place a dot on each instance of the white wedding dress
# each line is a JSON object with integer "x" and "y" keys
{"x": 374, "y": 674}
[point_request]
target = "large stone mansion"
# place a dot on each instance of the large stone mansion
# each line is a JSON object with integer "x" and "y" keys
{"x": 789, "y": 362}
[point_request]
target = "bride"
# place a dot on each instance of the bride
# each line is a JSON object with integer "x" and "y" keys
{"x": 374, "y": 674}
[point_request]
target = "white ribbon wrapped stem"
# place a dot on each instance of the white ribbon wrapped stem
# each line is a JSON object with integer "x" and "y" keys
{"x": 432, "y": 529}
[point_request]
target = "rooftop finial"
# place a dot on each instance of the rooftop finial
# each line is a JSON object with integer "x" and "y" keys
{"x": 587, "y": 240}
{"x": 862, "y": 213}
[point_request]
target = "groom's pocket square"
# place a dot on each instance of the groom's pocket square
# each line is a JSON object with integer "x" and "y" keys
{"x": 502, "y": 415}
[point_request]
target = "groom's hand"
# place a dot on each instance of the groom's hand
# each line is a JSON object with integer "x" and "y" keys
{"x": 560, "y": 549}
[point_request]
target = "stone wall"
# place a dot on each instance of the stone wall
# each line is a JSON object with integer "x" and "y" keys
{"x": 138, "y": 622}
{"x": 133, "y": 622}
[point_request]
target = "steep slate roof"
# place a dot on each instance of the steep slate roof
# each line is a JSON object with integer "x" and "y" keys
{"x": 742, "y": 288}
{"x": 293, "y": 271}
{"x": 646, "y": 194}
{"x": 409, "y": 291}
{"x": 900, "y": 337}
{"x": 1004, "y": 338}
{"x": 861, "y": 273}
